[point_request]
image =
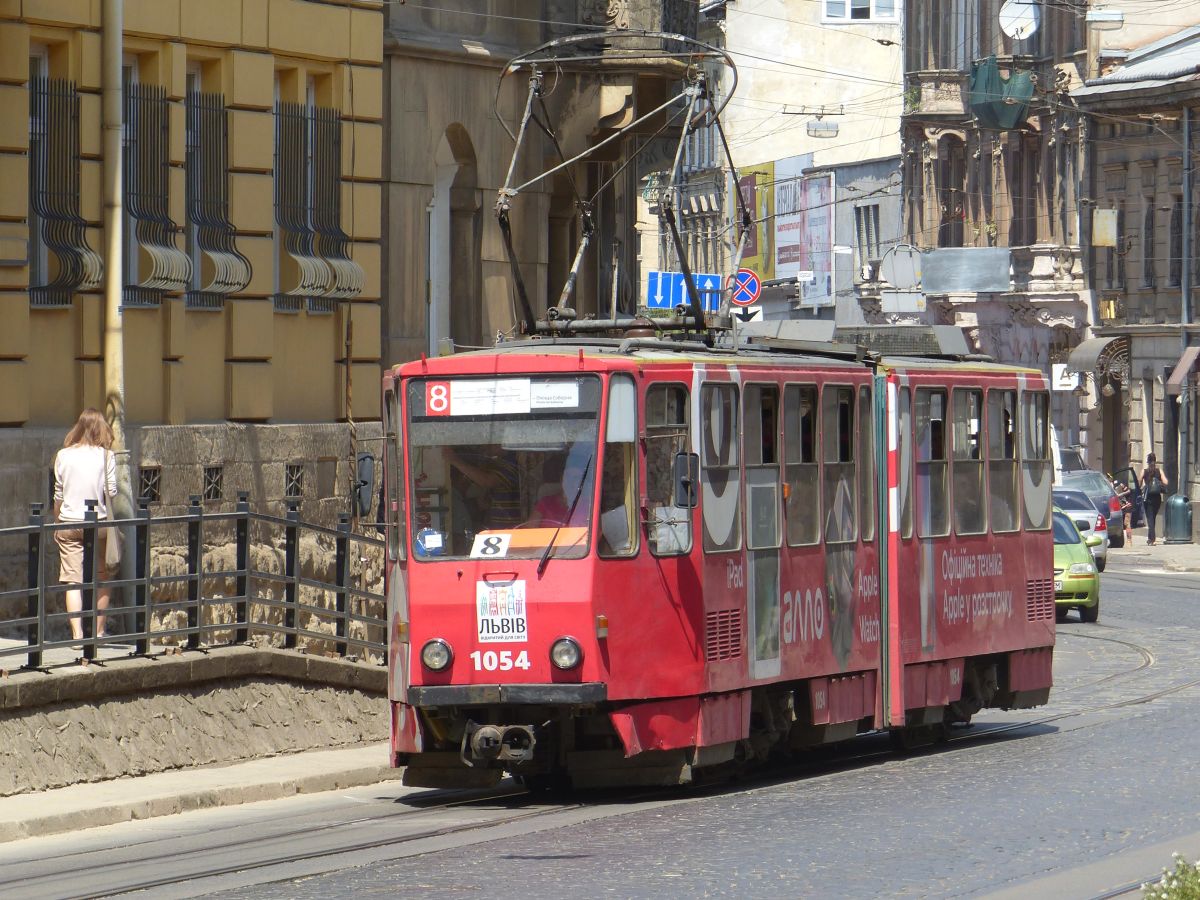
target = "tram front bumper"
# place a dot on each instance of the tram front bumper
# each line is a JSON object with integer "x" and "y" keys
{"x": 490, "y": 694}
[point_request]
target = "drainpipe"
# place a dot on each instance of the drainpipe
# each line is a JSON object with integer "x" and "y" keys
{"x": 112, "y": 24}
{"x": 1185, "y": 303}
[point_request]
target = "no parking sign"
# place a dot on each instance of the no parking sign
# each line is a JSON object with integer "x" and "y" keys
{"x": 745, "y": 287}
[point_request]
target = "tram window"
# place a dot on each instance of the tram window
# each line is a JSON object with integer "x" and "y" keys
{"x": 866, "y": 464}
{"x": 802, "y": 471}
{"x": 669, "y": 529}
{"x": 761, "y": 434}
{"x": 1036, "y": 469}
{"x": 393, "y": 481}
{"x": 906, "y": 459}
{"x": 933, "y": 517}
{"x": 618, "y": 475}
{"x": 1002, "y": 459}
{"x": 840, "y": 488}
{"x": 720, "y": 475}
{"x": 970, "y": 505}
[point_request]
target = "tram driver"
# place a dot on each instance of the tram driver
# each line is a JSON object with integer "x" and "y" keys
{"x": 485, "y": 486}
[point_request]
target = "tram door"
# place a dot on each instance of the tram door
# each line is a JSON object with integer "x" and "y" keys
{"x": 760, "y": 430}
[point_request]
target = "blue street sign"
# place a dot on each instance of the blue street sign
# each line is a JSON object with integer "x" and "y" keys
{"x": 666, "y": 290}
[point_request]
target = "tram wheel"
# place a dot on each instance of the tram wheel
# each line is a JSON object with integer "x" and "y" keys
{"x": 546, "y": 783}
{"x": 915, "y": 737}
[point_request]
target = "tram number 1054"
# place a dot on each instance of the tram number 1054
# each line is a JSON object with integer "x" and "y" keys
{"x": 491, "y": 660}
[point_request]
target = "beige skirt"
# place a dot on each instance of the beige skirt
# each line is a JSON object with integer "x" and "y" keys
{"x": 70, "y": 555}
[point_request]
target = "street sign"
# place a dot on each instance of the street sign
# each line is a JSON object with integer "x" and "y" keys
{"x": 666, "y": 290}
{"x": 1061, "y": 379}
{"x": 749, "y": 313}
{"x": 745, "y": 288}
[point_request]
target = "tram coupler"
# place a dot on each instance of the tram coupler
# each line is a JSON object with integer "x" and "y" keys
{"x": 483, "y": 744}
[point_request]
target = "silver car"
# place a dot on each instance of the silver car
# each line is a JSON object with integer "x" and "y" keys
{"x": 1103, "y": 496}
{"x": 1082, "y": 511}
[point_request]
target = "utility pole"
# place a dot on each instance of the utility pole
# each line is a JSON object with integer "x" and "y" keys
{"x": 1185, "y": 305}
{"x": 112, "y": 57}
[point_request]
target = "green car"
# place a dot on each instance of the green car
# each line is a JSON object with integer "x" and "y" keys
{"x": 1076, "y": 582}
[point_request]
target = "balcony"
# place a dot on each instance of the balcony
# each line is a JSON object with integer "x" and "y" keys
{"x": 1047, "y": 268}
{"x": 938, "y": 94}
{"x": 672, "y": 16}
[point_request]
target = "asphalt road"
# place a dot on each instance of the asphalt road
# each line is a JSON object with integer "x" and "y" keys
{"x": 1090, "y": 794}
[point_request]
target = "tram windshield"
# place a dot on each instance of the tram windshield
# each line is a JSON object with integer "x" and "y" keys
{"x": 503, "y": 467}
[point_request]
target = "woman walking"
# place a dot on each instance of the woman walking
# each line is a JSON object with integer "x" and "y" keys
{"x": 1154, "y": 486}
{"x": 84, "y": 470}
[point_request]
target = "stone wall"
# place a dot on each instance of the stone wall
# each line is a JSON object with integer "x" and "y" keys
{"x": 136, "y": 717}
{"x": 252, "y": 458}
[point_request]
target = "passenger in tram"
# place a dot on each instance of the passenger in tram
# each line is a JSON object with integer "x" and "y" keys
{"x": 491, "y": 496}
{"x": 571, "y": 502}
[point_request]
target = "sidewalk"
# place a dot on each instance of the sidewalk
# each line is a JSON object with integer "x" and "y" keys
{"x": 108, "y": 802}
{"x": 1173, "y": 557}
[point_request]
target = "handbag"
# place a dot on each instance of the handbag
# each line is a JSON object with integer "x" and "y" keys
{"x": 1154, "y": 487}
{"x": 113, "y": 539}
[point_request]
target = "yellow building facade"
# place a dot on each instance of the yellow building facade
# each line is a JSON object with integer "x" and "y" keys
{"x": 252, "y": 140}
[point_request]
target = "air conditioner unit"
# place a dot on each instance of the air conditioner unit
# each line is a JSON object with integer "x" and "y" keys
{"x": 869, "y": 270}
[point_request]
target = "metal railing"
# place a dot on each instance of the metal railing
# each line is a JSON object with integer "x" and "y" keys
{"x": 196, "y": 608}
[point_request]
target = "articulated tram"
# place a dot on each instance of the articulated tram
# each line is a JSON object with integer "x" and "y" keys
{"x": 638, "y": 561}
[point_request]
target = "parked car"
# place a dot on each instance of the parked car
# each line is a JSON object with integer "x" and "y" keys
{"x": 1129, "y": 479}
{"x": 1070, "y": 459}
{"x": 1102, "y": 493}
{"x": 1083, "y": 513}
{"x": 1076, "y": 581}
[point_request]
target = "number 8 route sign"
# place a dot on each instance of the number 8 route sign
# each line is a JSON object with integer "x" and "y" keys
{"x": 745, "y": 287}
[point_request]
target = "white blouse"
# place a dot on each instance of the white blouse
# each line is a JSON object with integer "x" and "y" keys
{"x": 84, "y": 472}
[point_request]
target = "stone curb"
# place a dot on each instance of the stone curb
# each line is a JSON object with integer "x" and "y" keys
{"x": 25, "y": 690}
{"x": 168, "y": 803}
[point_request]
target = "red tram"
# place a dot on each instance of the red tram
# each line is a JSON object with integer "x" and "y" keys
{"x": 632, "y": 561}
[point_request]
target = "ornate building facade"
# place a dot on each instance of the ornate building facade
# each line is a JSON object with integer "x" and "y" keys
{"x": 993, "y": 160}
{"x": 236, "y": 335}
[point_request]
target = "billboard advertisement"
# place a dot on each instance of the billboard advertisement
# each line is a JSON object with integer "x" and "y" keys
{"x": 816, "y": 240}
{"x": 788, "y": 214}
{"x": 756, "y": 185}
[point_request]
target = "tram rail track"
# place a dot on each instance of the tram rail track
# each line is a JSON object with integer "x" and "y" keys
{"x": 424, "y": 820}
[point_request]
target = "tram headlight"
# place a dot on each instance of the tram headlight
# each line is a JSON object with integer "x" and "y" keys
{"x": 565, "y": 653}
{"x": 436, "y": 654}
{"x": 1082, "y": 569}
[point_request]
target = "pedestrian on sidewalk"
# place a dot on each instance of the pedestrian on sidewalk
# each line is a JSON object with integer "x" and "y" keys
{"x": 84, "y": 470}
{"x": 1125, "y": 496}
{"x": 1154, "y": 486}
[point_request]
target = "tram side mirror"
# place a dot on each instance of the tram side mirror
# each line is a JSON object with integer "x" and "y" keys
{"x": 687, "y": 480}
{"x": 364, "y": 485}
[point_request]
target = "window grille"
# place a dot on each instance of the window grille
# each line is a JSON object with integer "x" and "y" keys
{"x": 147, "y": 191}
{"x": 54, "y": 193}
{"x": 308, "y": 210}
{"x": 213, "y": 481}
{"x": 208, "y": 201}
{"x": 150, "y": 483}
{"x": 1177, "y": 241}
{"x": 866, "y": 223}
{"x": 293, "y": 481}
{"x": 1148, "y": 244}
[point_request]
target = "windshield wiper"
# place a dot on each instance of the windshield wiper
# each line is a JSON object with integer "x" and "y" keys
{"x": 567, "y": 518}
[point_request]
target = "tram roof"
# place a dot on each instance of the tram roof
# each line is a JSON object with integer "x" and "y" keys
{"x": 784, "y": 354}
